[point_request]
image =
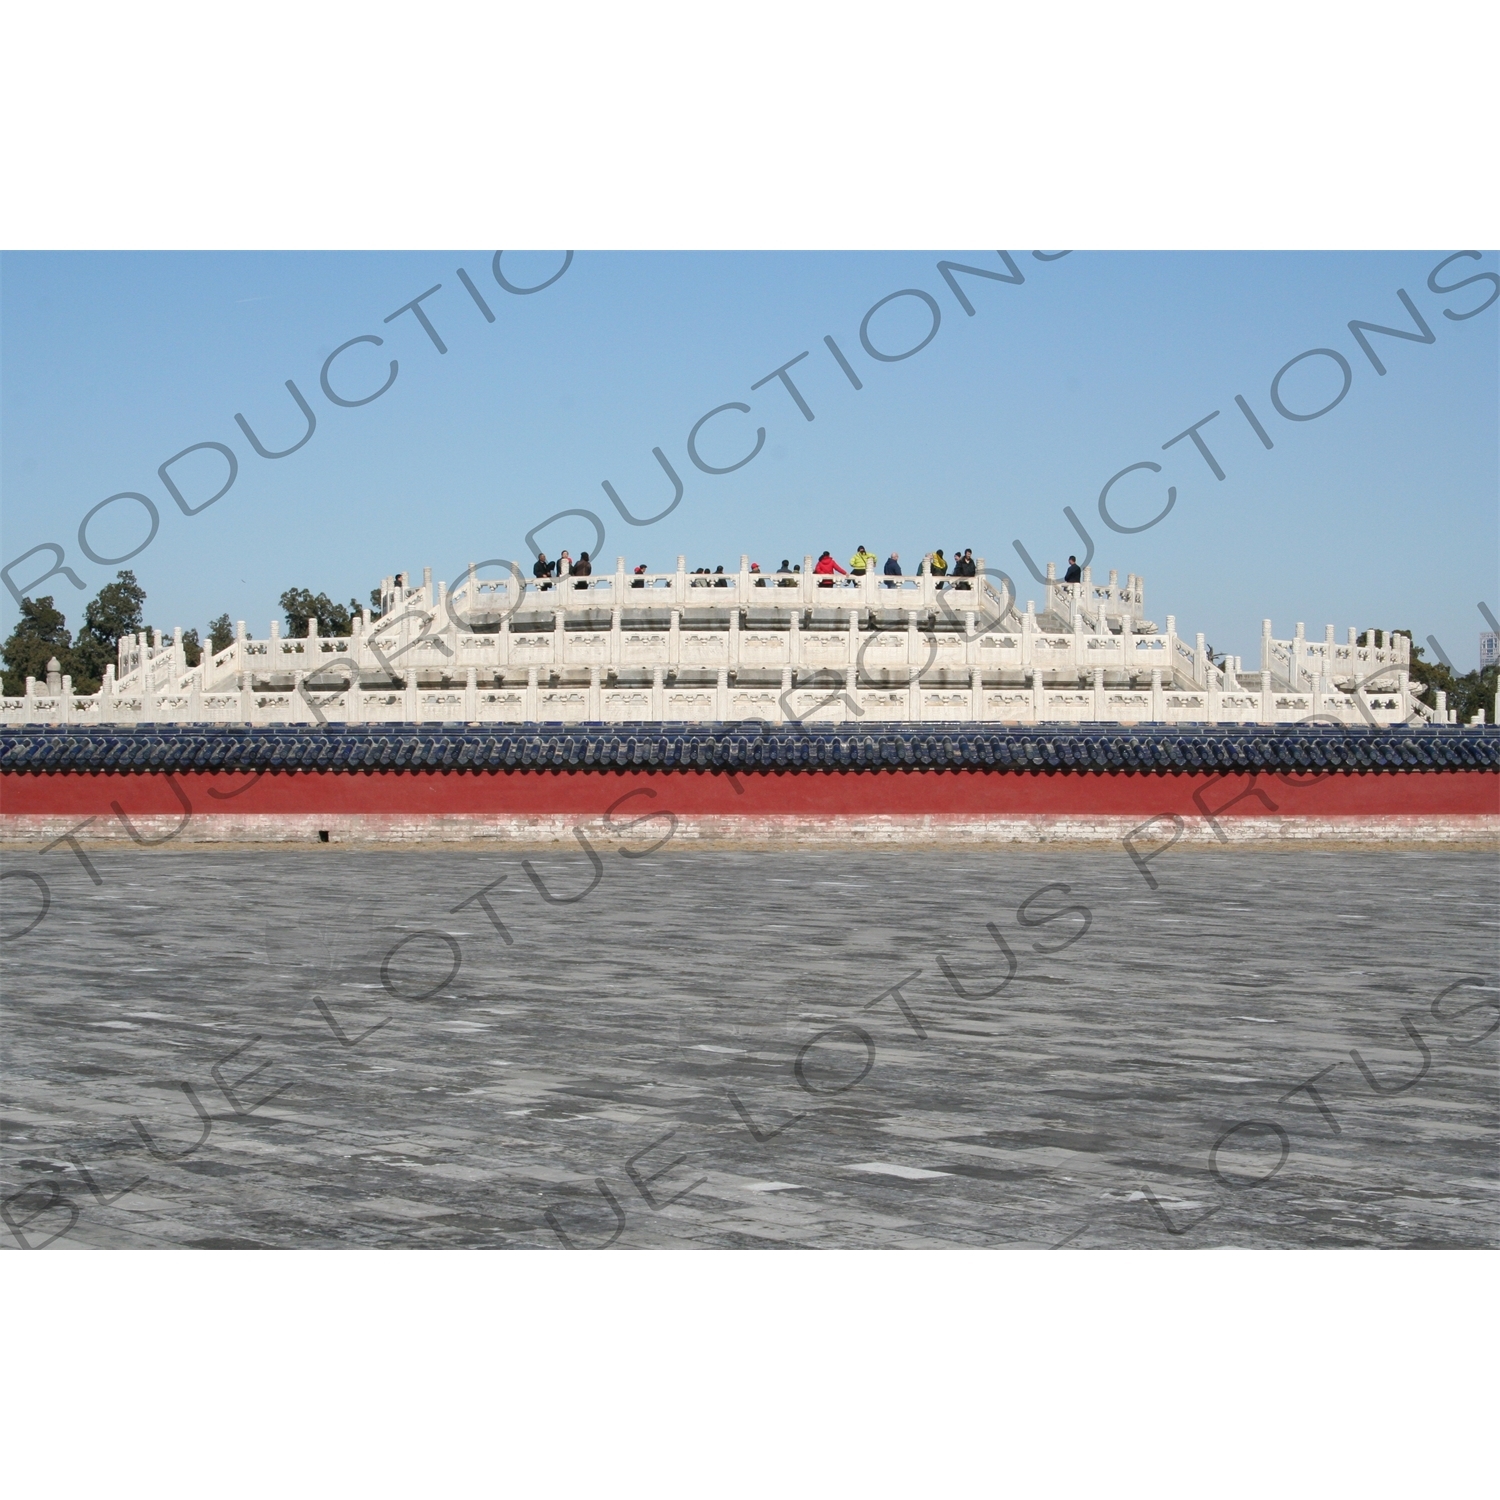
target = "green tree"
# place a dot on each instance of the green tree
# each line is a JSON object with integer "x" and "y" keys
{"x": 301, "y": 605}
{"x": 115, "y": 611}
{"x": 1467, "y": 692}
{"x": 40, "y": 634}
{"x": 220, "y": 633}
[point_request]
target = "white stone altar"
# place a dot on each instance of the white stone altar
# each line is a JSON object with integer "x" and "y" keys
{"x": 622, "y": 648}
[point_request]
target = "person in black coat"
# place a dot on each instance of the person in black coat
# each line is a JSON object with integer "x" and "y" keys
{"x": 1074, "y": 573}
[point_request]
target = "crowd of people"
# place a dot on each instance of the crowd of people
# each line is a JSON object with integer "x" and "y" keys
{"x": 827, "y": 568}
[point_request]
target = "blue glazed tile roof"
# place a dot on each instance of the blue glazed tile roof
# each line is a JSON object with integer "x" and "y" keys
{"x": 1082, "y": 748}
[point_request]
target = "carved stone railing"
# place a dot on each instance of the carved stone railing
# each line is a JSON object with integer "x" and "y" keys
{"x": 629, "y": 648}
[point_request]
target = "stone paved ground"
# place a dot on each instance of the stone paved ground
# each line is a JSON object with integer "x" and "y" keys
{"x": 703, "y": 1048}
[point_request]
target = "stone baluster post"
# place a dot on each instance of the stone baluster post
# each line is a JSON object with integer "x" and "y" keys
{"x": 679, "y": 582}
{"x": 809, "y": 583}
{"x": 674, "y": 639}
{"x": 1038, "y": 695}
{"x": 1202, "y": 670}
{"x": 976, "y": 695}
{"x": 658, "y": 694}
{"x": 1158, "y": 698}
{"x": 595, "y": 711}
{"x": 559, "y": 638}
{"x": 1299, "y": 655}
{"x": 1051, "y": 603}
{"x": 1028, "y": 632}
{"x": 721, "y": 695}
{"x": 530, "y": 703}
{"x": 1098, "y": 707}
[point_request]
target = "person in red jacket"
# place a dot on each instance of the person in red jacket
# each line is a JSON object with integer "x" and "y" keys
{"x": 826, "y": 565}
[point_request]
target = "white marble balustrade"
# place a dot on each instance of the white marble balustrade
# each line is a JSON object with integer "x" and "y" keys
{"x": 625, "y": 648}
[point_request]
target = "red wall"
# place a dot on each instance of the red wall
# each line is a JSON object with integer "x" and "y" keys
{"x": 761, "y": 793}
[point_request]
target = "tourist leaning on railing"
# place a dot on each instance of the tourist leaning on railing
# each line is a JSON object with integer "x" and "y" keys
{"x": 826, "y": 567}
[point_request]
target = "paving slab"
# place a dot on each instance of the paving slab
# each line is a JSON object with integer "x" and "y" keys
{"x": 825, "y": 1047}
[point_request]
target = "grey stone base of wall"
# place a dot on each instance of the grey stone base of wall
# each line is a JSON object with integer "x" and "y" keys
{"x": 638, "y": 833}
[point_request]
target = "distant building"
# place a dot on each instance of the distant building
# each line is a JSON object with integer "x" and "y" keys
{"x": 1489, "y": 649}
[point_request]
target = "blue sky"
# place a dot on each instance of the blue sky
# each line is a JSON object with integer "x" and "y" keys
{"x": 1382, "y": 512}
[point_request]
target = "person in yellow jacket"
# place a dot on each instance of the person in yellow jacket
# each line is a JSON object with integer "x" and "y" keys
{"x": 862, "y": 562}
